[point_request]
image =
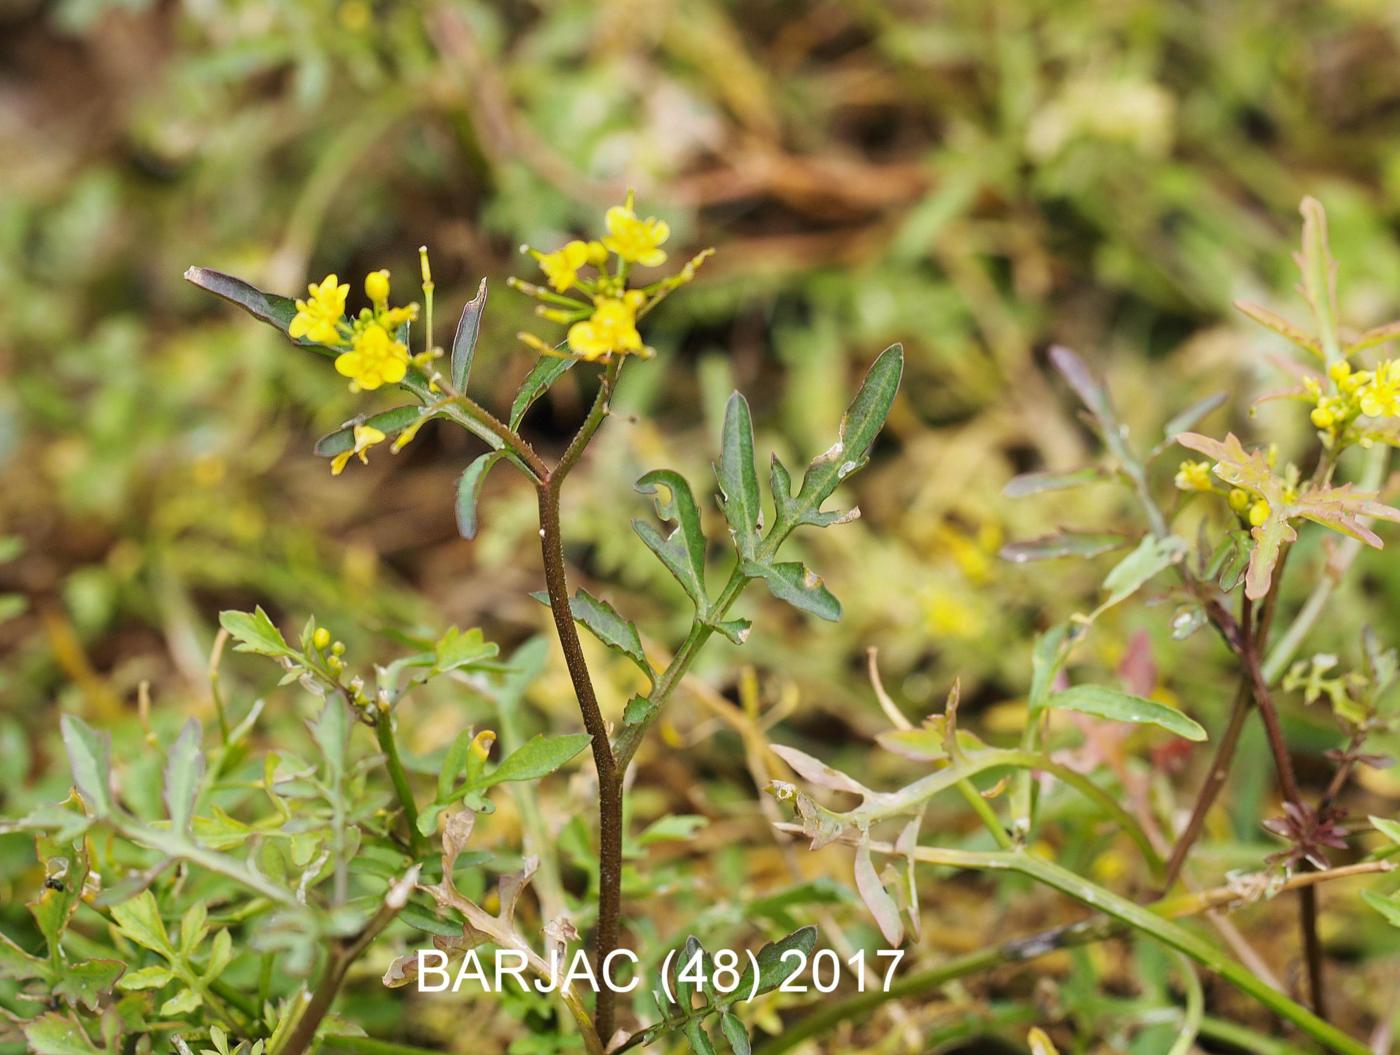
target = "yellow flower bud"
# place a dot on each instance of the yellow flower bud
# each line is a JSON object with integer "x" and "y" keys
{"x": 377, "y": 286}
{"x": 1259, "y": 512}
{"x": 1322, "y": 417}
{"x": 321, "y": 638}
{"x": 1239, "y": 499}
{"x": 1339, "y": 371}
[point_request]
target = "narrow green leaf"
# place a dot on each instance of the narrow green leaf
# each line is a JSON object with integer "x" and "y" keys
{"x": 738, "y": 479}
{"x": 1283, "y": 327}
{"x": 1387, "y": 906}
{"x": 1390, "y": 829}
{"x": 735, "y": 1033}
{"x": 547, "y": 370}
{"x": 452, "y": 765}
{"x": 859, "y": 426}
{"x": 153, "y": 977}
{"x": 90, "y": 758}
{"x": 184, "y": 772}
{"x": 1062, "y": 544}
{"x": 275, "y": 310}
{"x": 1319, "y": 273}
{"x": 389, "y": 422}
{"x": 464, "y": 341}
{"x": 255, "y": 632}
{"x": 1193, "y": 415}
{"x": 538, "y": 757}
{"x": 1152, "y": 555}
{"x": 610, "y": 628}
{"x": 773, "y": 970}
{"x": 683, "y": 550}
{"x": 699, "y": 1040}
{"x": 790, "y": 581}
{"x": 1103, "y": 702}
{"x": 469, "y": 486}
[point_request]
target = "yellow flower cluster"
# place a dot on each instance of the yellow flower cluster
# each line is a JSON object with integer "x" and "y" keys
{"x": 1194, "y": 476}
{"x": 599, "y": 308}
{"x": 1199, "y": 476}
{"x": 1353, "y": 394}
{"x": 371, "y": 353}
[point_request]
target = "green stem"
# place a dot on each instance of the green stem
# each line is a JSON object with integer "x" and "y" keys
{"x": 1281, "y": 655}
{"x": 910, "y": 798}
{"x": 986, "y": 814}
{"x": 1146, "y": 921}
{"x": 1195, "y": 1010}
{"x": 384, "y": 732}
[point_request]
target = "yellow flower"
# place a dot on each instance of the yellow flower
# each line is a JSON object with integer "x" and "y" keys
{"x": 1239, "y": 499}
{"x": 611, "y": 328}
{"x": 377, "y": 287}
{"x": 318, "y": 319}
{"x": 1259, "y": 512}
{"x": 366, "y": 436}
{"x": 374, "y": 359}
{"x": 635, "y": 240}
{"x": 1194, "y": 476}
{"x": 1380, "y": 398}
{"x": 321, "y": 638}
{"x": 561, "y": 266}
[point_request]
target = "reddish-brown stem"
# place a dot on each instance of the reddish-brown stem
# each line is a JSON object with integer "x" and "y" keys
{"x": 606, "y": 932}
{"x": 1210, "y": 790}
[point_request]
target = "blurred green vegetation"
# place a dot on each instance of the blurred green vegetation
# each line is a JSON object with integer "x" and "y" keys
{"x": 977, "y": 180}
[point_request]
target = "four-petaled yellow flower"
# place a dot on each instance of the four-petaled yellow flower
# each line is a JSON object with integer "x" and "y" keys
{"x": 319, "y": 318}
{"x": 1380, "y": 396}
{"x": 636, "y": 240}
{"x": 562, "y": 266}
{"x": 366, "y": 436}
{"x": 374, "y": 359}
{"x": 1194, "y": 476}
{"x": 611, "y": 328}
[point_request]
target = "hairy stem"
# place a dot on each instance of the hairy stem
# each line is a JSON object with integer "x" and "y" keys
{"x": 606, "y": 933}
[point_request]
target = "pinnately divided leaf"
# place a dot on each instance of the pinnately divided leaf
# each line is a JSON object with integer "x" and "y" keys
{"x": 255, "y": 632}
{"x": 1103, "y": 702}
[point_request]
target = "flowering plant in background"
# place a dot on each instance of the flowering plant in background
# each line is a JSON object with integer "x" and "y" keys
{"x": 1223, "y": 571}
